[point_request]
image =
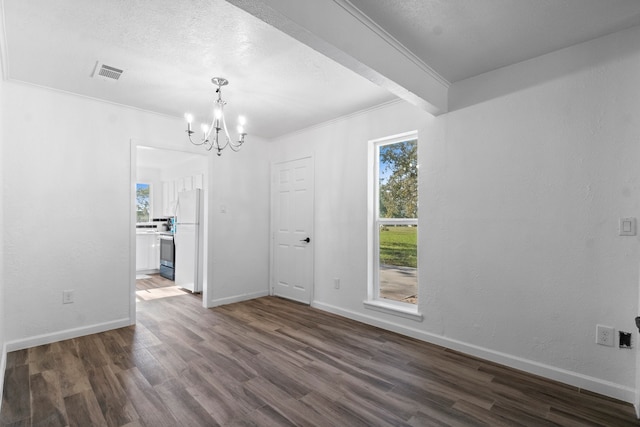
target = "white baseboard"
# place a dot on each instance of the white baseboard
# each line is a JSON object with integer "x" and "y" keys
{"x": 575, "y": 379}
{"x": 66, "y": 334}
{"x": 3, "y": 368}
{"x": 236, "y": 298}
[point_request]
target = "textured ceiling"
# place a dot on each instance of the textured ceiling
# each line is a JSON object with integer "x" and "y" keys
{"x": 170, "y": 49}
{"x": 464, "y": 38}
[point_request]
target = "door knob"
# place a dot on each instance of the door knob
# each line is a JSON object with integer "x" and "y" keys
{"x": 306, "y": 240}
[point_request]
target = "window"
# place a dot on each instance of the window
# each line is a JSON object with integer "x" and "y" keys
{"x": 394, "y": 235}
{"x": 143, "y": 202}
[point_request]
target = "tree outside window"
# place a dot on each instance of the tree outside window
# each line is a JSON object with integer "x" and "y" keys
{"x": 399, "y": 180}
{"x": 397, "y": 221}
{"x": 143, "y": 202}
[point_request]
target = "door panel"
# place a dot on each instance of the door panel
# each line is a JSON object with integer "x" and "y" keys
{"x": 292, "y": 195}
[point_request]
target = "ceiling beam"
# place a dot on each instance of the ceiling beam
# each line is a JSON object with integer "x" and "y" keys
{"x": 341, "y": 32}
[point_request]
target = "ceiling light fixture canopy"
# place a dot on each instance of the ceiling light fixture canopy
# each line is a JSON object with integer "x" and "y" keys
{"x": 218, "y": 124}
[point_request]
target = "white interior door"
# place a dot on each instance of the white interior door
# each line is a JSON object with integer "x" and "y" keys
{"x": 292, "y": 226}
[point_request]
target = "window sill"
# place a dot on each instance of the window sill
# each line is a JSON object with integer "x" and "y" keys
{"x": 409, "y": 312}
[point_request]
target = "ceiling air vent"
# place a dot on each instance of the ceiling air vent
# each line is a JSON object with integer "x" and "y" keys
{"x": 110, "y": 72}
{"x": 106, "y": 71}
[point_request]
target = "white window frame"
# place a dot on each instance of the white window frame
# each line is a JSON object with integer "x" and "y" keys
{"x": 373, "y": 301}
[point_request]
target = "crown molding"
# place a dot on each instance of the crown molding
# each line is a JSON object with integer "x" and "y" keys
{"x": 390, "y": 40}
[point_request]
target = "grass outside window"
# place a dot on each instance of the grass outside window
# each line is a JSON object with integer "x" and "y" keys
{"x": 398, "y": 245}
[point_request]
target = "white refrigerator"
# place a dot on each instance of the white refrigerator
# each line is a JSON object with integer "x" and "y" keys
{"x": 186, "y": 238}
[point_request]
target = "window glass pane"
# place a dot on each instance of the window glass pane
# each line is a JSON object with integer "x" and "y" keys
{"x": 398, "y": 272}
{"x": 143, "y": 203}
{"x": 398, "y": 175}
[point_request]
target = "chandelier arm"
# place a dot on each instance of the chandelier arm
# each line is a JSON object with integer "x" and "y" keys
{"x": 235, "y": 145}
{"x": 191, "y": 140}
{"x": 204, "y": 141}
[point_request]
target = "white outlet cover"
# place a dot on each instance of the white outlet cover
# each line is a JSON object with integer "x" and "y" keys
{"x": 628, "y": 226}
{"x": 67, "y": 296}
{"x": 605, "y": 335}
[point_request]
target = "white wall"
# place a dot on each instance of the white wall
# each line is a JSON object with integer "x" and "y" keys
{"x": 68, "y": 210}
{"x": 238, "y": 262}
{"x": 3, "y": 349}
{"x": 520, "y": 195}
{"x": 68, "y": 203}
{"x": 526, "y": 214}
{"x": 339, "y": 149}
{"x": 237, "y": 256}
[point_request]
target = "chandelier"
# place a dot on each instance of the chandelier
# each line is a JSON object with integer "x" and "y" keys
{"x": 218, "y": 123}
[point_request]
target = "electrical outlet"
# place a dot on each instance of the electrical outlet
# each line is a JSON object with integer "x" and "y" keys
{"x": 67, "y": 296}
{"x": 336, "y": 283}
{"x": 605, "y": 335}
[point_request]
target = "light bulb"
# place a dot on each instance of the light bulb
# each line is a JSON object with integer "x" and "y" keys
{"x": 240, "y": 129}
{"x": 217, "y": 113}
{"x": 205, "y": 128}
{"x": 188, "y": 117}
{"x": 242, "y": 120}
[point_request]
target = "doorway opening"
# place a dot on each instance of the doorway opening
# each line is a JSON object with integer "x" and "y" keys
{"x": 162, "y": 178}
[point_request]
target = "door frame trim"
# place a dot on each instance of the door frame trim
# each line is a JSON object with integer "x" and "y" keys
{"x": 272, "y": 232}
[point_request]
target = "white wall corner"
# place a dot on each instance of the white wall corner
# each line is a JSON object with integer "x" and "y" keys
{"x": 236, "y": 298}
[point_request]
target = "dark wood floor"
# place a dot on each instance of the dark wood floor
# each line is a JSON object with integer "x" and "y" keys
{"x": 273, "y": 362}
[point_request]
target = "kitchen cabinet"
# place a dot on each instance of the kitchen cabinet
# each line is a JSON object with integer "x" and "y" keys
{"x": 198, "y": 181}
{"x": 168, "y": 198}
{"x": 180, "y": 185}
{"x": 188, "y": 184}
{"x": 170, "y": 190}
{"x": 147, "y": 251}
